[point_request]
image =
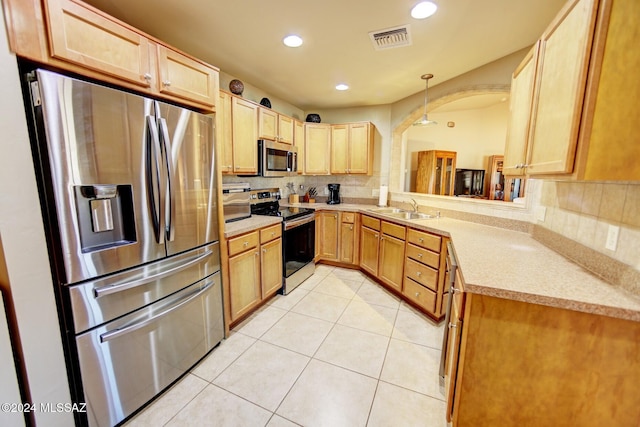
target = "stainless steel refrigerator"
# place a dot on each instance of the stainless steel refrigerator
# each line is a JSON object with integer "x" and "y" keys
{"x": 128, "y": 194}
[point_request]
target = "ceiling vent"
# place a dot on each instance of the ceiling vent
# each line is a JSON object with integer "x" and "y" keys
{"x": 391, "y": 37}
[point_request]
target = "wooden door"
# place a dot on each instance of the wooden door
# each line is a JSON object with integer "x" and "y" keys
{"x": 348, "y": 242}
{"x": 369, "y": 241}
{"x": 359, "y": 148}
{"x": 317, "y": 140}
{"x": 82, "y": 36}
{"x": 328, "y": 223}
{"x": 339, "y": 148}
{"x": 244, "y": 280}
{"x": 285, "y": 129}
{"x": 391, "y": 263}
{"x": 186, "y": 78}
{"x": 520, "y": 109}
{"x": 298, "y": 142}
{"x": 271, "y": 267}
{"x": 267, "y": 124}
{"x": 244, "y": 115}
{"x": 565, "y": 50}
{"x": 223, "y": 133}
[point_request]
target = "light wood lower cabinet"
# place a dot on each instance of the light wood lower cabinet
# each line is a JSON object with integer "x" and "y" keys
{"x": 369, "y": 245}
{"x": 517, "y": 363}
{"x": 244, "y": 274}
{"x": 255, "y": 269}
{"x": 390, "y": 264}
{"x": 337, "y": 236}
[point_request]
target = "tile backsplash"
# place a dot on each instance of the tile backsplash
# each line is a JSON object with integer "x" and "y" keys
{"x": 586, "y": 211}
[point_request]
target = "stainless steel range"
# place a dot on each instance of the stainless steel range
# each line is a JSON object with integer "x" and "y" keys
{"x": 298, "y": 234}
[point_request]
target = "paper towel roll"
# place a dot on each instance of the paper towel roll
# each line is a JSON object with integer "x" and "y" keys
{"x": 384, "y": 191}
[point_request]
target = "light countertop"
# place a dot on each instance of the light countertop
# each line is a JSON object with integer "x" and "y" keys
{"x": 503, "y": 263}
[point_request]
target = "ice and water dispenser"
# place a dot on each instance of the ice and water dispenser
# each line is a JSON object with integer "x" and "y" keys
{"x": 105, "y": 216}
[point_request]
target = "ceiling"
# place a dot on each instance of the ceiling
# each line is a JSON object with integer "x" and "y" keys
{"x": 244, "y": 39}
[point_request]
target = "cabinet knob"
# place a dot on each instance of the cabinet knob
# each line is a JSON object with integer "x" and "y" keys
{"x": 419, "y": 255}
{"x": 421, "y": 240}
{"x": 273, "y": 233}
{"x": 264, "y": 251}
{"x": 335, "y": 216}
{"x": 375, "y": 235}
{"x": 166, "y": 83}
{"x": 417, "y": 294}
{"x": 147, "y": 76}
{"x": 245, "y": 244}
{"x": 452, "y": 325}
{"x": 418, "y": 273}
{"x": 351, "y": 227}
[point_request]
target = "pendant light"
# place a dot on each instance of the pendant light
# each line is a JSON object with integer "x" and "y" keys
{"x": 424, "y": 121}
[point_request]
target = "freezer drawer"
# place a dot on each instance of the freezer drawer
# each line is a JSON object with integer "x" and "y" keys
{"x": 127, "y": 362}
{"x": 102, "y": 300}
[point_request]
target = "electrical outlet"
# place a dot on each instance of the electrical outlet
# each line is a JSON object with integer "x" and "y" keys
{"x": 326, "y": 191}
{"x": 541, "y": 212}
{"x": 612, "y": 237}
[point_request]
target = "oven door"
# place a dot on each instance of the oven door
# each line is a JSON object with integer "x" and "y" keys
{"x": 298, "y": 250}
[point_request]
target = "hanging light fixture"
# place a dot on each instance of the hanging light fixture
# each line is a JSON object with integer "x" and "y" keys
{"x": 424, "y": 121}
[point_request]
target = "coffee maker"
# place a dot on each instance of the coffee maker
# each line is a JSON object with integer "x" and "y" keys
{"x": 334, "y": 194}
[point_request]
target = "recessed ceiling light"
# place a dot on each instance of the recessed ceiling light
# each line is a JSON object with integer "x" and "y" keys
{"x": 292, "y": 41}
{"x": 424, "y": 10}
{"x": 342, "y": 86}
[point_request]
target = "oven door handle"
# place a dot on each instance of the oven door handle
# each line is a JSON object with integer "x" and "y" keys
{"x": 288, "y": 225}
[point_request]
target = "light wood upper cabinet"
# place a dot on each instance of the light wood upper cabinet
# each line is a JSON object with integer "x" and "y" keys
{"x": 352, "y": 148}
{"x": 274, "y": 126}
{"x": 89, "y": 39}
{"x": 562, "y": 76}
{"x": 74, "y": 36}
{"x": 224, "y": 133}
{"x": 521, "y": 100}
{"x": 584, "y": 122}
{"x": 186, "y": 78}
{"x": 317, "y": 140}
{"x": 244, "y": 117}
{"x": 298, "y": 141}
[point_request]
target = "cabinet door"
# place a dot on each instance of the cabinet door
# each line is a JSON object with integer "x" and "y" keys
{"x": 298, "y": 142}
{"x": 348, "y": 240}
{"x": 328, "y": 235}
{"x": 359, "y": 148}
{"x": 187, "y": 78}
{"x": 339, "y": 148}
{"x": 390, "y": 265}
{"x": 369, "y": 241}
{"x": 271, "y": 267}
{"x": 223, "y": 133}
{"x": 316, "y": 152}
{"x": 85, "y": 37}
{"x": 520, "y": 105}
{"x": 285, "y": 129}
{"x": 244, "y": 281}
{"x": 267, "y": 124}
{"x": 565, "y": 50}
{"x": 244, "y": 115}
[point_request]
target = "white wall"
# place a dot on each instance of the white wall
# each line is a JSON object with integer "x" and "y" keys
{"x": 25, "y": 252}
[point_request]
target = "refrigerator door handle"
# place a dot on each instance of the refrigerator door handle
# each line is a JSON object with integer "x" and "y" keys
{"x": 155, "y": 179}
{"x": 170, "y": 202}
{"x": 108, "y": 336}
{"x": 118, "y": 287}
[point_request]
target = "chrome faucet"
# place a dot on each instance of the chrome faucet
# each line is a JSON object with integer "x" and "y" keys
{"x": 415, "y": 205}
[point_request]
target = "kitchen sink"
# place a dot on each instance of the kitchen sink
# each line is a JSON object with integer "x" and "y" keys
{"x": 401, "y": 213}
{"x": 411, "y": 215}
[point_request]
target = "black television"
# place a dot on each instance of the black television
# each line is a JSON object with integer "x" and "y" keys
{"x": 469, "y": 183}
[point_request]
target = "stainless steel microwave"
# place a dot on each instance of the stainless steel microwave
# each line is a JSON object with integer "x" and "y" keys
{"x": 276, "y": 159}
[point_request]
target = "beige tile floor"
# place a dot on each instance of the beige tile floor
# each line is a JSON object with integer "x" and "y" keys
{"x": 337, "y": 351}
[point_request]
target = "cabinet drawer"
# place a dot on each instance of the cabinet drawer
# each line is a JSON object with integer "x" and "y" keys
{"x": 394, "y": 230}
{"x": 243, "y": 243}
{"x": 348, "y": 217}
{"x": 269, "y": 233}
{"x": 417, "y": 293}
{"x": 421, "y": 273}
{"x": 424, "y": 256}
{"x": 425, "y": 240}
{"x": 373, "y": 223}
